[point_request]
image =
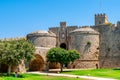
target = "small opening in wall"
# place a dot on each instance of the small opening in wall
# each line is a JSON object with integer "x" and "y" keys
{"x": 99, "y": 22}
{"x": 88, "y": 43}
{"x": 63, "y": 45}
{"x": 97, "y": 66}
{"x": 98, "y": 48}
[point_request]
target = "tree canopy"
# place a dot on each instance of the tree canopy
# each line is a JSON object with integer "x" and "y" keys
{"x": 62, "y": 56}
{"x": 13, "y": 51}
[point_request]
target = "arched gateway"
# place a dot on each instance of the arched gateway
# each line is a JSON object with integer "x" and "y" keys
{"x": 63, "y": 45}
{"x": 37, "y": 64}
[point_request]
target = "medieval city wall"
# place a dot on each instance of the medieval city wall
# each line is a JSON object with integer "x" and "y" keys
{"x": 98, "y": 48}
{"x": 109, "y": 55}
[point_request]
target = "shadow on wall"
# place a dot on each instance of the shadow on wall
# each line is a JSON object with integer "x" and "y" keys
{"x": 54, "y": 65}
{"x": 37, "y": 64}
{"x": 3, "y": 68}
{"x": 87, "y": 46}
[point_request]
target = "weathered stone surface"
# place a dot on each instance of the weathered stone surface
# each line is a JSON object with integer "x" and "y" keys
{"x": 37, "y": 64}
{"x": 86, "y": 41}
{"x": 84, "y": 64}
{"x": 109, "y": 55}
{"x": 99, "y": 45}
{"x": 42, "y": 39}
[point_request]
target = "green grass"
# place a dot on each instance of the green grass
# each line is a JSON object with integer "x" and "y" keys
{"x": 37, "y": 77}
{"x": 107, "y": 73}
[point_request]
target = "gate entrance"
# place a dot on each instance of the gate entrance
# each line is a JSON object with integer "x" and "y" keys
{"x": 37, "y": 64}
{"x": 63, "y": 45}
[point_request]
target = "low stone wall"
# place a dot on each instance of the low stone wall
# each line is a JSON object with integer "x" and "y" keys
{"x": 84, "y": 64}
{"x": 110, "y": 62}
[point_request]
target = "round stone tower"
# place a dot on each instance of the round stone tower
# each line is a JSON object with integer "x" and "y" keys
{"x": 43, "y": 41}
{"x": 86, "y": 41}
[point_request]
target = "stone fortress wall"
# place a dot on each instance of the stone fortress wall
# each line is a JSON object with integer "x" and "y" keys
{"x": 109, "y": 55}
{"x": 81, "y": 39}
{"x": 99, "y": 45}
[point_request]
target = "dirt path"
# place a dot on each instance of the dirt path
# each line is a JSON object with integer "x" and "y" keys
{"x": 68, "y": 75}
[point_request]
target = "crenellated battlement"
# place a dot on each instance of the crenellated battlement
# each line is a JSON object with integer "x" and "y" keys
{"x": 101, "y": 15}
{"x": 62, "y": 24}
{"x": 84, "y": 26}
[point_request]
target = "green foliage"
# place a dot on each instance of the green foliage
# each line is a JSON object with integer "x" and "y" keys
{"x": 108, "y": 73}
{"x": 110, "y": 25}
{"x": 37, "y": 77}
{"x": 62, "y": 56}
{"x": 13, "y": 51}
{"x": 73, "y": 55}
{"x": 57, "y": 55}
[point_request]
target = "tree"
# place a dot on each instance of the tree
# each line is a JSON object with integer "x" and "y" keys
{"x": 61, "y": 56}
{"x": 73, "y": 55}
{"x": 57, "y": 55}
{"x": 13, "y": 51}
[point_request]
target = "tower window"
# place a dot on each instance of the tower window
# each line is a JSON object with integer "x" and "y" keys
{"x": 63, "y": 29}
{"x": 100, "y": 22}
{"x": 63, "y": 36}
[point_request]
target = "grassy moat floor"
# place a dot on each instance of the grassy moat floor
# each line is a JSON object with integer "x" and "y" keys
{"x": 37, "y": 77}
{"x": 104, "y": 73}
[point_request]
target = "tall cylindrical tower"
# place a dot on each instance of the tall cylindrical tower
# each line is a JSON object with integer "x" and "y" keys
{"x": 43, "y": 41}
{"x": 86, "y": 41}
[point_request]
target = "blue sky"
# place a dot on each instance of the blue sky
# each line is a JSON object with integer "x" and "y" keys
{"x": 20, "y": 17}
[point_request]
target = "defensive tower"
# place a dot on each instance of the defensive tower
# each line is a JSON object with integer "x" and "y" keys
{"x": 101, "y": 19}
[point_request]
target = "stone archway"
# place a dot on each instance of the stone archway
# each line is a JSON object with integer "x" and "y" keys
{"x": 37, "y": 64}
{"x": 63, "y": 45}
